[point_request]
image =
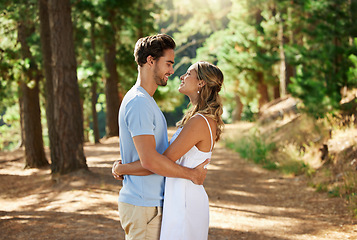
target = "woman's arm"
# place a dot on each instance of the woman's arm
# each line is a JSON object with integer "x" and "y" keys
{"x": 194, "y": 132}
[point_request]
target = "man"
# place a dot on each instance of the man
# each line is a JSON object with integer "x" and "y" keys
{"x": 143, "y": 135}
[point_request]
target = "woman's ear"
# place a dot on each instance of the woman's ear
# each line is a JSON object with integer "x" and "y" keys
{"x": 201, "y": 83}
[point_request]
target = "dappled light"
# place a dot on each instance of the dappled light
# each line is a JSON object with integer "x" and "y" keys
{"x": 284, "y": 85}
{"x": 246, "y": 201}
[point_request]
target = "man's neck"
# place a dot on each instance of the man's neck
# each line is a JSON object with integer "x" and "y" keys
{"x": 146, "y": 81}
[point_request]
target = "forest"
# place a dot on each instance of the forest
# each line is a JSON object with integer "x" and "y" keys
{"x": 65, "y": 65}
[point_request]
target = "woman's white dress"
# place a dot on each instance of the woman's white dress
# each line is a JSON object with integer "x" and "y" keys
{"x": 186, "y": 209}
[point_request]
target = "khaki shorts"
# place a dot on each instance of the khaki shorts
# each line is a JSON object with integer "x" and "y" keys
{"x": 140, "y": 223}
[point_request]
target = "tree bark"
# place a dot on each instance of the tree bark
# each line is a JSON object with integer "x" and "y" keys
{"x": 21, "y": 107}
{"x": 237, "y": 112}
{"x": 111, "y": 92}
{"x": 276, "y": 92}
{"x": 353, "y": 13}
{"x": 94, "y": 112}
{"x": 68, "y": 116}
{"x": 46, "y": 53}
{"x": 262, "y": 89}
{"x": 94, "y": 88}
{"x": 34, "y": 150}
{"x": 290, "y": 69}
{"x": 282, "y": 75}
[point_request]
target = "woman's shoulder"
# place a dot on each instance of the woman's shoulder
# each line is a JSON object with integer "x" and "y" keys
{"x": 198, "y": 121}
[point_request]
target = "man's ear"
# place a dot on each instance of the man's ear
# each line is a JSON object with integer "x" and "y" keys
{"x": 150, "y": 60}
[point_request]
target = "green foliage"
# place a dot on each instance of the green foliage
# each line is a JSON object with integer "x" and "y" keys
{"x": 254, "y": 148}
{"x": 323, "y": 63}
{"x": 168, "y": 98}
{"x": 10, "y": 128}
{"x": 352, "y": 72}
{"x": 316, "y": 46}
{"x": 334, "y": 192}
{"x": 242, "y": 50}
{"x": 12, "y": 65}
{"x": 241, "y": 37}
{"x": 321, "y": 187}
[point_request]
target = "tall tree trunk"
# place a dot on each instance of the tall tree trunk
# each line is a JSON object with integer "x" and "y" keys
{"x": 282, "y": 75}
{"x": 276, "y": 92}
{"x": 94, "y": 112}
{"x": 68, "y": 118}
{"x": 94, "y": 87}
{"x": 353, "y": 13}
{"x": 46, "y": 53}
{"x": 21, "y": 107}
{"x": 262, "y": 89}
{"x": 34, "y": 150}
{"x": 111, "y": 92}
{"x": 290, "y": 69}
{"x": 237, "y": 112}
{"x": 140, "y": 20}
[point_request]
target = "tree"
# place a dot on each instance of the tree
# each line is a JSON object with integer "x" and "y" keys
{"x": 21, "y": 66}
{"x": 323, "y": 63}
{"x": 69, "y": 155}
{"x": 245, "y": 51}
{"x": 34, "y": 151}
{"x": 90, "y": 69}
{"x": 47, "y": 68}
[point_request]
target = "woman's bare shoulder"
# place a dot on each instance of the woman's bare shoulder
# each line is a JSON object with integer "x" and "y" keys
{"x": 196, "y": 121}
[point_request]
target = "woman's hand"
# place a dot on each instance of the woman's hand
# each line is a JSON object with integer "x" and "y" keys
{"x": 116, "y": 175}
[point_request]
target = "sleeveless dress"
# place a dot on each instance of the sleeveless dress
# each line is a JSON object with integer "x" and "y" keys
{"x": 186, "y": 209}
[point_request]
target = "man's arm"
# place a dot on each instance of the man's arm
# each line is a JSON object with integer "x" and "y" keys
{"x": 133, "y": 168}
{"x": 160, "y": 164}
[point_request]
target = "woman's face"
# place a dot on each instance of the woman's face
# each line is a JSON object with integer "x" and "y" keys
{"x": 189, "y": 82}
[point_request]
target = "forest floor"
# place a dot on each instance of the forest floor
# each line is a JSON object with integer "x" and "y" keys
{"x": 246, "y": 201}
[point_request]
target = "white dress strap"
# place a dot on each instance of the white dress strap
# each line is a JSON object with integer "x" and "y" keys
{"x": 209, "y": 127}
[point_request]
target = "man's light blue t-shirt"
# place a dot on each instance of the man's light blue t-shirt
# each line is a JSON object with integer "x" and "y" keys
{"x": 140, "y": 115}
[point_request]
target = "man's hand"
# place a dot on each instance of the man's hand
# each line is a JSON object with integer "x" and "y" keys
{"x": 114, "y": 173}
{"x": 200, "y": 172}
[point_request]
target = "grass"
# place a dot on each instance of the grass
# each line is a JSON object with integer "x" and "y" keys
{"x": 269, "y": 155}
{"x": 294, "y": 147}
{"x": 254, "y": 148}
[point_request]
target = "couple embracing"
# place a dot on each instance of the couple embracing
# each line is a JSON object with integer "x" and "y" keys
{"x": 162, "y": 195}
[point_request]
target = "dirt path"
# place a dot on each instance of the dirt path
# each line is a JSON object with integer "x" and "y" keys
{"x": 246, "y": 202}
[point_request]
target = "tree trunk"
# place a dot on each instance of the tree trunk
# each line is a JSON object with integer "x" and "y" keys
{"x": 68, "y": 118}
{"x": 34, "y": 151}
{"x": 237, "y": 112}
{"x": 353, "y": 13}
{"x": 282, "y": 75}
{"x": 94, "y": 112}
{"x": 276, "y": 92}
{"x": 21, "y": 107}
{"x": 140, "y": 20}
{"x": 94, "y": 88}
{"x": 262, "y": 89}
{"x": 46, "y": 53}
{"x": 290, "y": 69}
{"x": 111, "y": 92}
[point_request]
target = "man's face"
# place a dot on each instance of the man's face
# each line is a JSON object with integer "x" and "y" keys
{"x": 164, "y": 67}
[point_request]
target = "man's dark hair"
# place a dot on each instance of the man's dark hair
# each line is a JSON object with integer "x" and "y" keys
{"x": 152, "y": 45}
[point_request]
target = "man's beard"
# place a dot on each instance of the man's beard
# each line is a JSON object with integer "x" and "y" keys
{"x": 160, "y": 81}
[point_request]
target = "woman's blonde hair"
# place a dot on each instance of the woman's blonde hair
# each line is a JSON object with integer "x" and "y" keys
{"x": 209, "y": 102}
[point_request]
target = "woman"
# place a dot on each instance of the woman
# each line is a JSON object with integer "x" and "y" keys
{"x": 186, "y": 209}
